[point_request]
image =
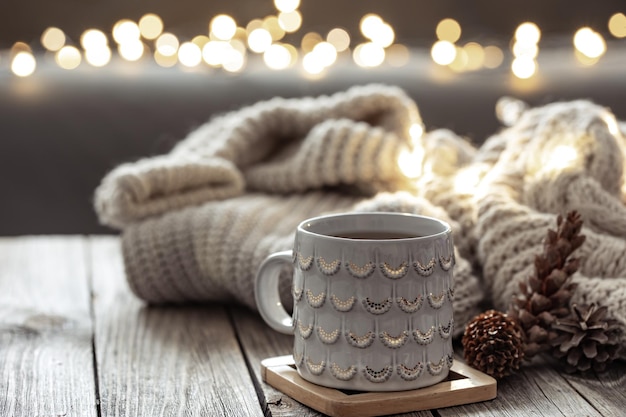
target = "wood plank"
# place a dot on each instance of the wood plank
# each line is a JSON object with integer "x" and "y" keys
{"x": 163, "y": 361}
{"x": 538, "y": 389}
{"x": 260, "y": 342}
{"x": 46, "y": 355}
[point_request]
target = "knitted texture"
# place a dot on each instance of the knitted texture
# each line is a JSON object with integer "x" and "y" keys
{"x": 198, "y": 221}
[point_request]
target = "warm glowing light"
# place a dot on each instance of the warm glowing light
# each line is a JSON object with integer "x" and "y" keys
{"x": 165, "y": 61}
{"x": 93, "y": 39}
{"x": 233, "y": 60}
{"x": 416, "y": 131}
{"x": 311, "y": 64}
{"x": 286, "y": 6}
{"x": 131, "y": 50}
{"x": 383, "y": 35}
{"x": 98, "y": 57}
{"x": 310, "y": 40}
{"x": 23, "y": 64}
{"x": 254, "y": 24}
{"x": 167, "y": 44}
{"x": 443, "y": 52}
{"x": 611, "y": 123}
{"x": 272, "y": 25}
{"x": 277, "y": 57}
{"x": 589, "y": 42}
{"x": 214, "y": 52}
{"x": 467, "y": 179}
{"x": 223, "y": 27}
{"x": 525, "y": 49}
{"x": 259, "y": 40}
{"x": 524, "y": 67}
{"x": 527, "y": 33}
{"x": 339, "y": 38}
{"x": 369, "y": 25}
{"x": 493, "y": 57}
{"x": 126, "y": 31}
{"x": 325, "y": 53}
{"x": 410, "y": 161}
{"x": 53, "y": 39}
{"x": 68, "y": 57}
{"x": 617, "y": 25}
{"x": 397, "y": 55}
{"x": 561, "y": 157}
{"x": 290, "y": 21}
{"x": 475, "y": 55}
{"x": 20, "y": 47}
{"x": 200, "y": 40}
{"x": 189, "y": 54}
{"x": 238, "y": 46}
{"x": 448, "y": 30}
{"x": 584, "y": 60}
{"x": 150, "y": 26}
{"x": 368, "y": 54}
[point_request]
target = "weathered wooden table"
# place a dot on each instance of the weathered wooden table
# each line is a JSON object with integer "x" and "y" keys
{"x": 74, "y": 341}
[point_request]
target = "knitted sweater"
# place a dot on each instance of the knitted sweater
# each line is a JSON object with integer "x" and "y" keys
{"x": 198, "y": 221}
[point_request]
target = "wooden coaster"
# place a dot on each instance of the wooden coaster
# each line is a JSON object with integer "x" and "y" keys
{"x": 464, "y": 385}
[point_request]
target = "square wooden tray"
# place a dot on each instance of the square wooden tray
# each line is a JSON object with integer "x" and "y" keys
{"x": 464, "y": 385}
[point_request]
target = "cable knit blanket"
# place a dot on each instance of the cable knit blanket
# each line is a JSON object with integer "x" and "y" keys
{"x": 196, "y": 223}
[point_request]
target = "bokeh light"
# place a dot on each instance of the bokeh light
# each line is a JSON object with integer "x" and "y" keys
{"x": 493, "y": 57}
{"x": 528, "y": 33}
{"x": 68, "y": 57}
{"x": 214, "y": 52}
{"x": 443, "y": 52}
{"x": 277, "y": 57}
{"x": 370, "y": 24}
{"x": 23, "y": 64}
{"x": 617, "y": 25}
{"x": 311, "y": 64}
{"x": 448, "y": 30}
{"x": 126, "y": 31}
{"x": 271, "y": 24}
{"x": 397, "y": 55}
{"x": 339, "y": 38}
{"x": 309, "y": 41}
{"x": 93, "y": 39}
{"x": 460, "y": 62}
{"x": 189, "y": 54}
{"x": 325, "y": 53}
{"x": 259, "y": 40}
{"x": 369, "y": 55}
{"x": 523, "y": 67}
{"x": 53, "y": 39}
{"x": 165, "y": 61}
{"x": 286, "y": 6}
{"x": 475, "y": 56}
{"x": 131, "y": 50}
{"x": 223, "y": 27}
{"x": 290, "y": 21}
{"x": 589, "y": 43}
{"x": 98, "y": 56}
{"x": 150, "y": 26}
{"x": 167, "y": 44}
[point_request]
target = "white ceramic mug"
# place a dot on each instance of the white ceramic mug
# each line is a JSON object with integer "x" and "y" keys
{"x": 372, "y": 300}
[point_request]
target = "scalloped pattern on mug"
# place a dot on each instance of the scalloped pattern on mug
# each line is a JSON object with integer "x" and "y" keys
{"x": 446, "y": 262}
{"x": 328, "y": 268}
{"x": 361, "y": 342}
{"x": 378, "y": 376}
{"x": 315, "y": 368}
{"x": 298, "y": 358}
{"x": 315, "y": 301}
{"x": 410, "y": 374}
{"x": 305, "y": 330}
{"x": 342, "y": 305}
{"x": 360, "y": 271}
{"x": 436, "y": 301}
{"x": 304, "y": 263}
{"x": 449, "y": 360}
{"x": 435, "y": 368}
{"x": 394, "y": 273}
{"x": 297, "y": 293}
{"x": 327, "y": 337}
{"x": 424, "y": 338}
{"x": 410, "y": 306}
{"x": 377, "y": 307}
{"x": 425, "y": 270}
{"x": 446, "y": 331}
{"x": 343, "y": 374}
{"x": 451, "y": 294}
{"x": 394, "y": 342}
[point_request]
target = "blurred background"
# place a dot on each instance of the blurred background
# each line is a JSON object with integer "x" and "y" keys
{"x": 88, "y": 84}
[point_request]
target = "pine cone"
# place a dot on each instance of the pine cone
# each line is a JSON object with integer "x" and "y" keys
{"x": 545, "y": 298}
{"x": 493, "y": 343}
{"x": 586, "y": 339}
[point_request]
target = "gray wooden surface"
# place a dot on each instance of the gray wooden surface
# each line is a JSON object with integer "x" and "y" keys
{"x": 74, "y": 341}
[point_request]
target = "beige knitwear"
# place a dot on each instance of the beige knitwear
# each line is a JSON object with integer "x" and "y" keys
{"x": 198, "y": 221}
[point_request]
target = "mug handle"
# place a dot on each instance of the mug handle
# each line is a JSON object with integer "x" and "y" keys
{"x": 266, "y": 292}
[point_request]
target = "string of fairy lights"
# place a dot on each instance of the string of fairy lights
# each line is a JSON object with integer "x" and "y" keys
{"x": 229, "y": 46}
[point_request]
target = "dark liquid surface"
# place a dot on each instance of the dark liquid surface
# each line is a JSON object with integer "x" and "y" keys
{"x": 374, "y": 235}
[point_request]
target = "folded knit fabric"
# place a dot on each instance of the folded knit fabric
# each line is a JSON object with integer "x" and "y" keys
{"x": 198, "y": 222}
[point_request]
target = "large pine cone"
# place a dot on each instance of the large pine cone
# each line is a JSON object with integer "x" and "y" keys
{"x": 586, "y": 339}
{"x": 545, "y": 298}
{"x": 493, "y": 343}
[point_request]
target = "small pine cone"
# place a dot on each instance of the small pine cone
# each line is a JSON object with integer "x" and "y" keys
{"x": 493, "y": 343}
{"x": 586, "y": 339}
